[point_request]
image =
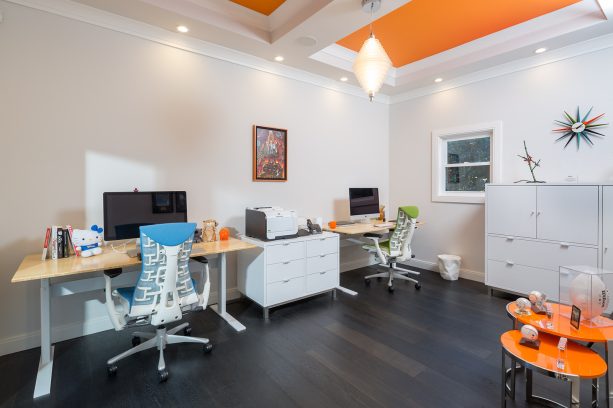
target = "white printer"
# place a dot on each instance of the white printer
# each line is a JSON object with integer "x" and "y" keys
{"x": 270, "y": 223}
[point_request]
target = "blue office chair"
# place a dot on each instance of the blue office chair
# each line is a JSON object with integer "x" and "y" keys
{"x": 164, "y": 291}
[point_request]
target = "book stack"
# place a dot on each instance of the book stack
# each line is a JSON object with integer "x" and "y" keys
{"x": 58, "y": 242}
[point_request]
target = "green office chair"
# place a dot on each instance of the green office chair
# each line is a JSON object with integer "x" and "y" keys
{"x": 396, "y": 248}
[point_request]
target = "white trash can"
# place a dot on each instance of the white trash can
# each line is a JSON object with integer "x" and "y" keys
{"x": 449, "y": 266}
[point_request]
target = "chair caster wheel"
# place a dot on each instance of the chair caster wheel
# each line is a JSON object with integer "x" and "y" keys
{"x": 163, "y": 374}
{"x": 111, "y": 370}
{"x": 187, "y": 331}
{"x": 135, "y": 341}
{"x": 378, "y": 279}
{"x": 367, "y": 282}
{"x": 390, "y": 289}
{"x": 417, "y": 286}
{"x": 208, "y": 348}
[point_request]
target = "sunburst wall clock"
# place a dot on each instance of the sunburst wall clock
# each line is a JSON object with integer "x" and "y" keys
{"x": 578, "y": 127}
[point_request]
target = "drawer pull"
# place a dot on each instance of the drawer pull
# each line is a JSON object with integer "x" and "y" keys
{"x": 286, "y": 244}
{"x": 286, "y": 262}
{"x": 321, "y": 273}
{"x": 531, "y": 213}
{"x": 509, "y": 238}
{"x": 285, "y": 280}
{"x": 564, "y": 244}
{"x": 322, "y": 255}
{"x": 322, "y": 239}
{"x": 511, "y": 263}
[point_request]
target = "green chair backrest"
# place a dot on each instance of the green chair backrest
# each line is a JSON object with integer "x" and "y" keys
{"x": 403, "y": 233}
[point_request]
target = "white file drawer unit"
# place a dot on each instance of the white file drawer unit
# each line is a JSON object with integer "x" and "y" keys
{"x": 533, "y": 229}
{"x": 286, "y": 270}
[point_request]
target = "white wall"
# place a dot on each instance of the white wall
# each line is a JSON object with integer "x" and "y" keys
{"x": 527, "y": 103}
{"x": 85, "y": 110}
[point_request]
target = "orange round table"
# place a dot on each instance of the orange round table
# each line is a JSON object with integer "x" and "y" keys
{"x": 560, "y": 326}
{"x": 580, "y": 362}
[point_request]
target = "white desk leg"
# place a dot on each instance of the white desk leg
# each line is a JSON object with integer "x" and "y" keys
{"x": 347, "y": 291}
{"x": 45, "y": 367}
{"x": 220, "y": 308}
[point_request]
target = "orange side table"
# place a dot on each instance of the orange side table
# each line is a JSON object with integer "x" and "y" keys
{"x": 580, "y": 363}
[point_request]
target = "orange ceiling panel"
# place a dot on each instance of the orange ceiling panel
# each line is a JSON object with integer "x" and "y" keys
{"x": 423, "y": 28}
{"x": 265, "y": 7}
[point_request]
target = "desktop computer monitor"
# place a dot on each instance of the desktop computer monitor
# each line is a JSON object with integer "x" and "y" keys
{"x": 363, "y": 203}
{"x": 125, "y": 212}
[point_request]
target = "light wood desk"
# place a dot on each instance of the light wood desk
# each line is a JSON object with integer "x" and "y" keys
{"x": 360, "y": 228}
{"x": 84, "y": 275}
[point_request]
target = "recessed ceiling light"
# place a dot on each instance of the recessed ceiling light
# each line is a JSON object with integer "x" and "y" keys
{"x": 344, "y": 79}
{"x": 540, "y": 50}
{"x": 438, "y": 80}
{"x": 182, "y": 29}
{"x": 279, "y": 58}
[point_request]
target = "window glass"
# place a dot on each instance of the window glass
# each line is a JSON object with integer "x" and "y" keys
{"x": 468, "y": 150}
{"x": 467, "y": 178}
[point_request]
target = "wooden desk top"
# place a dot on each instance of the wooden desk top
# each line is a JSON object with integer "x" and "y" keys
{"x": 561, "y": 324}
{"x": 359, "y": 228}
{"x": 580, "y": 361}
{"x": 33, "y": 268}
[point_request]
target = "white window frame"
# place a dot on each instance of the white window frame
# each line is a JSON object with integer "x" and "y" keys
{"x": 440, "y": 137}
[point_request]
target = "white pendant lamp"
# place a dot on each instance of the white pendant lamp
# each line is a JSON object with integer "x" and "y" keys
{"x": 372, "y": 63}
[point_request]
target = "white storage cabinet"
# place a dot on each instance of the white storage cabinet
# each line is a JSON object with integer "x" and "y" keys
{"x": 283, "y": 271}
{"x": 531, "y": 230}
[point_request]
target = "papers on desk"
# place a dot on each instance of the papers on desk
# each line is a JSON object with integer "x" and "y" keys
{"x": 384, "y": 225}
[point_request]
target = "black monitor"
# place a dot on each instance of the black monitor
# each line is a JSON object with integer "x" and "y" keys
{"x": 125, "y": 212}
{"x": 363, "y": 202}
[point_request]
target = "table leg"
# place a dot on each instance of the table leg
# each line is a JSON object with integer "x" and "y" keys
{"x": 45, "y": 367}
{"x": 574, "y": 393}
{"x": 609, "y": 375}
{"x": 220, "y": 308}
{"x": 347, "y": 291}
{"x": 504, "y": 381}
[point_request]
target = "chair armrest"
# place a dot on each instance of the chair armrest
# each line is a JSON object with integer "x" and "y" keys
{"x": 116, "y": 317}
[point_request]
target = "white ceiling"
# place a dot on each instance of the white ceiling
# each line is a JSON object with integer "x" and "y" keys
{"x": 305, "y": 32}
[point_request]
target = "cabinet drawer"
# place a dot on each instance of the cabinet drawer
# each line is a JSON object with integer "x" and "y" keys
{"x": 322, "y": 246}
{"x": 285, "y": 290}
{"x": 546, "y": 255}
{"x": 522, "y": 279}
{"x": 284, "y": 252}
{"x": 285, "y": 270}
{"x": 322, "y": 263}
{"x": 318, "y": 282}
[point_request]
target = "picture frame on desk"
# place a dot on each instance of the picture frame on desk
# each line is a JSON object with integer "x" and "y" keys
{"x": 269, "y": 154}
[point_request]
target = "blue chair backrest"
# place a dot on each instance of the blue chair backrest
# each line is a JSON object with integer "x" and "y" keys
{"x": 165, "y": 250}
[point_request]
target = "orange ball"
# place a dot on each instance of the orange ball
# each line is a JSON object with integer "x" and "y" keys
{"x": 224, "y": 234}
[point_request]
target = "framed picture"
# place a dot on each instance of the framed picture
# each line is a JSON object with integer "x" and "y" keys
{"x": 575, "y": 317}
{"x": 269, "y": 154}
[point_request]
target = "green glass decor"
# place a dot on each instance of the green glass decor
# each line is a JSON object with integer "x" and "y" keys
{"x": 577, "y": 127}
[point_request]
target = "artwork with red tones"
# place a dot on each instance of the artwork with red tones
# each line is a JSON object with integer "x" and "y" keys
{"x": 269, "y": 154}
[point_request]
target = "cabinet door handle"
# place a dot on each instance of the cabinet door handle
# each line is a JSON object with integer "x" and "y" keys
{"x": 564, "y": 244}
{"x": 531, "y": 213}
{"x": 538, "y": 213}
{"x": 511, "y": 263}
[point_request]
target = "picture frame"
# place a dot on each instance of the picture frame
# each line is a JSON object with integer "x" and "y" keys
{"x": 269, "y": 154}
{"x": 575, "y": 317}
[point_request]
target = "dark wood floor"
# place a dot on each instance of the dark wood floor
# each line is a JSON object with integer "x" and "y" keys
{"x": 437, "y": 347}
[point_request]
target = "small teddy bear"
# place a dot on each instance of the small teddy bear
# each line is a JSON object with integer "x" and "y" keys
{"x": 87, "y": 242}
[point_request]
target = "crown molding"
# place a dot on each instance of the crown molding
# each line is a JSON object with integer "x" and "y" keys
{"x": 560, "y": 54}
{"x": 100, "y": 18}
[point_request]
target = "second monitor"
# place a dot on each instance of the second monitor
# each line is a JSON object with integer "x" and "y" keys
{"x": 363, "y": 204}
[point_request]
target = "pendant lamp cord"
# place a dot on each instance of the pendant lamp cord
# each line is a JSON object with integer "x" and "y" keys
{"x": 372, "y": 6}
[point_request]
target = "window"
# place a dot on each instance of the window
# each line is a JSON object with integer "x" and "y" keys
{"x": 463, "y": 161}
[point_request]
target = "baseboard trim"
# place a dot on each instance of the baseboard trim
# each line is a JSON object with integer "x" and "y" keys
{"x": 468, "y": 274}
{"x": 26, "y": 341}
